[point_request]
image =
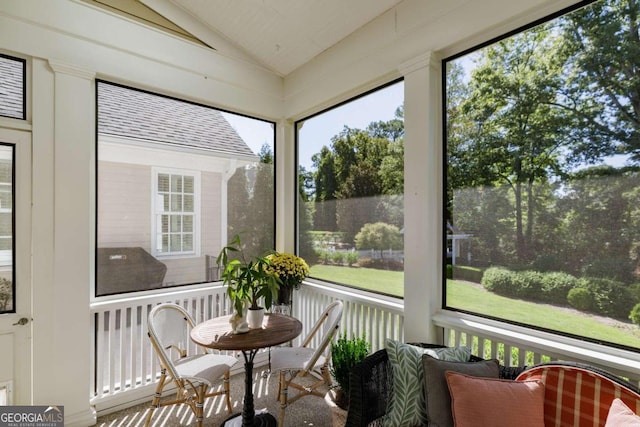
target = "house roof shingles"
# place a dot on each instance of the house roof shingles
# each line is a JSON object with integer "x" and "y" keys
{"x": 135, "y": 114}
{"x": 11, "y": 88}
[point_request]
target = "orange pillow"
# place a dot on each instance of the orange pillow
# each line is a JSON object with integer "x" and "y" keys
{"x": 620, "y": 415}
{"x": 491, "y": 402}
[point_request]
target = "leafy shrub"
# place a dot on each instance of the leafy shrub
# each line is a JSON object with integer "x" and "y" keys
{"x": 379, "y": 236}
{"x": 635, "y": 291}
{"x": 471, "y": 274}
{"x": 547, "y": 263}
{"x": 499, "y": 280}
{"x": 635, "y": 314}
{"x": 324, "y": 256}
{"x": 6, "y": 293}
{"x": 352, "y": 258}
{"x": 610, "y": 298}
{"x": 556, "y": 286}
{"x": 346, "y": 353}
{"x": 580, "y": 299}
{"x": 528, "y": 285}
{"x": 449, "y": 271}
{"x": 611, "y": 268}
{"x": 602, "y": 296}
{"x": 381, "y": 264}
{"x": 337, "y": 257}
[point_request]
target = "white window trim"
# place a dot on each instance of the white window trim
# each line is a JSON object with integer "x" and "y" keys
{"x": 155, "y": 171}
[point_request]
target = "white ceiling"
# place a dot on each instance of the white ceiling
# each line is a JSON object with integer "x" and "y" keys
{"x": 280, "y": 35}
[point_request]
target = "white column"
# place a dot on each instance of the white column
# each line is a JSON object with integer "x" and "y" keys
{"x": 44, "y": 334}
{"x": 286, "y": 188}
{"x": 423, "y": 189}
{"x": 63, "y": 258}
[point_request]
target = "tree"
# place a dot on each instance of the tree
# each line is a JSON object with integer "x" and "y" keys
{"x": 261, "y": 206}
{"x": 354, "y": 172}
{"x": 597, "y": 231}
{"x": 379, "y": 236}
{"x": 251, "y": 204}
{"x": 305, "y": 215}
{"x": 519, "y": 130}
{"x": 237, "y": 202}
{"x": 605, "y": 85}
{"x": 326, "y": 186}
{"x": 459, "y": 134}
{"x": 6, "y": 294}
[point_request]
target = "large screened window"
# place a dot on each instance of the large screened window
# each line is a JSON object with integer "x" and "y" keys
{"x": 351, "y": 192}
{"x": 543, "y": 175}
{"x": 176, "y": 181}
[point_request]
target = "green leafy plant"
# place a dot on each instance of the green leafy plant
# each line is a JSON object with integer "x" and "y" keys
{"x": 580, "y": 299}
{"x": 635, "y": 314}
{"x": 247, "y": 279}
{"x": 345, "y": 354}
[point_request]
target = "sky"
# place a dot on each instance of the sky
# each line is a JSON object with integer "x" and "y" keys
{"x": 317, "y": 131}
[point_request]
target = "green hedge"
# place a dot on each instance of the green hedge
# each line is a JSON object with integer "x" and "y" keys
{"x": 602, "y": 296}
{"x": 610, "y": 298}
{"x": 463, "y": 272}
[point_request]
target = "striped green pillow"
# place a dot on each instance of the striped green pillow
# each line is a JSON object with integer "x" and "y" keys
{"x": 406, "y": 406}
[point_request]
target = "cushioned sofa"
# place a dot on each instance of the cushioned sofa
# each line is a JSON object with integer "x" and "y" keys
{"x": 572, "y": 394}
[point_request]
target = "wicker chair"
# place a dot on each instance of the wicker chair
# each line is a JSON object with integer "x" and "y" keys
{"x": 194, "y": 375}
{"x": 370, "y": 387}
{"x": 294, "y": 363}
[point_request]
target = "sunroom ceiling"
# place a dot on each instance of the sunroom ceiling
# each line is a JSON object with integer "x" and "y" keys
{"x": 281, "y": 35}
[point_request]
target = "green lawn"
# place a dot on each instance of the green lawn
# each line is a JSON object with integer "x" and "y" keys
{"x": 388, "y": 282}
{"x": 465, "y": 296}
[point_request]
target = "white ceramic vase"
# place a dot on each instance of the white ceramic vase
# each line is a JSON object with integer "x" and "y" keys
{"x": 255, "y": 318}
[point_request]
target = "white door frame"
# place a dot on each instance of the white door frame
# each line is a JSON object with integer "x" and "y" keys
{"x": 16, "y": 338}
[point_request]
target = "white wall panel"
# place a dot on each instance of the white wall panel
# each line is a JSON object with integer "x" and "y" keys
{"x": 371, "y": 55}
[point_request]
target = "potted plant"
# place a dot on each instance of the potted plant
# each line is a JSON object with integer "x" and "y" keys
{"x": 249, "y": 281}
{"x": 345, "y": 354}
{"x": 291, "y": 270}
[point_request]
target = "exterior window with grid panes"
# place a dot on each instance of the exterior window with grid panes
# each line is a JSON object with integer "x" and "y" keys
{"x": 176, "y": 212}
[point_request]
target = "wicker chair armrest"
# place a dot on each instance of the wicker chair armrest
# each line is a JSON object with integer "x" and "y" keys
{"x": 368, "y": 390}
{"x": 370, "y": 385}
{"x": 511, "y": 372}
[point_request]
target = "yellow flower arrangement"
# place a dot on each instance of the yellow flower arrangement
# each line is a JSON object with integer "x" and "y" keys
{"x": 289, "y": 268}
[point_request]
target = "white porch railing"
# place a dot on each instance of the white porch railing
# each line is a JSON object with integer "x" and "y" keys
{"x": 126, "y": 368}
{"x": 519, "y": 346}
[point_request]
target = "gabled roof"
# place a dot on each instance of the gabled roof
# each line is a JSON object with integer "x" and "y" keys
{"x": 130, "y": 113}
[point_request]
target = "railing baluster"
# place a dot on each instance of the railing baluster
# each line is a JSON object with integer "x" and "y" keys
{"x": 125, "y": 362}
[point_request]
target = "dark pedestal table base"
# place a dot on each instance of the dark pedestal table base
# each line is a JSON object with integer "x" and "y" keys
{"x": 248, "y": 417}
{"x": 260, "y": 420}
{"x": 216, "y": 333}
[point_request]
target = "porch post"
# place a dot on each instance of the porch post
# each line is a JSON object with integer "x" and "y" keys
{"x": 63, "y": 216}
{"x": 423, "y": 189}
{"x": 286, "y": 191}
